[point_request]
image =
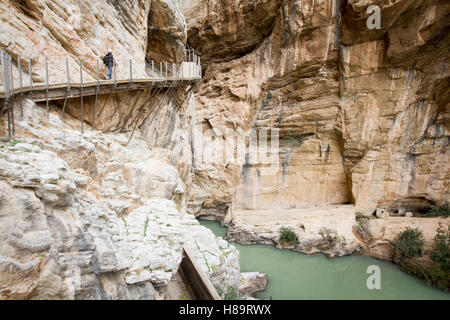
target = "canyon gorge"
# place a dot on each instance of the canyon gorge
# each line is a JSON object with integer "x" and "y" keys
{"x": 356, "y": 122}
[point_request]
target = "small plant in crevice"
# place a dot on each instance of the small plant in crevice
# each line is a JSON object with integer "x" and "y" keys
{"x": 218, "y": 290}
{"x": 146, "y": 226}
{"x": 288, "y": 235}
{"x": 126, "y": 225}
{"x": 409, "y": 243}
{"x": 294, "y": 141}
{"x": 14, "y": 142}
{"x": 231, "y": 293}
{"x": 330, "y": 236}
{"x": 439, "y": 210}
{"x": 362, "y": 228}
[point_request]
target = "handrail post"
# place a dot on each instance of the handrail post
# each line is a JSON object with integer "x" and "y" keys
{"x": 131, "y": 70}
{"x": 30, "y": 74}
{"x": 46, "y": 73}
{"x": 115, "y": 75}
{"x": 96, "y": 96}
{"x": 12, "y": 93}
{"x": 5, "y": 86}
{"x": 68, "y": 74}
{"x": 11, "y": 75}
{"x": 173, "y": 70}
{"x": 19, "y": 68}
{"x": 190, "y": 64}
{"x": 194, "y": 66}
{"x": 98, "y": 73}
{"x": 166, "y": 72}
{"x": 68, "y": 87}
{"x": 3, "y": 70}
{"x": 81, "y": 74}
{"x": 81, "y": 96}
{"x": 46, "y": 87}
{"x": 153, "y": 71}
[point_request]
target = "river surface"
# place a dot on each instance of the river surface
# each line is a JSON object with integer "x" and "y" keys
{"x": 293, "y": 275}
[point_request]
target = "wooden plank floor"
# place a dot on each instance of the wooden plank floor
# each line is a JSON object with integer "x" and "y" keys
{"x": 58, "y": 91}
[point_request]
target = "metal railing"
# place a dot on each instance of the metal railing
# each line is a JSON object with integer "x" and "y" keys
{"x": 21, "y": 74}
{"x": 65, "y": 72}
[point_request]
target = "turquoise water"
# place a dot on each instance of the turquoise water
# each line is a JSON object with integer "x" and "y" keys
{"x": 293, "y": 275}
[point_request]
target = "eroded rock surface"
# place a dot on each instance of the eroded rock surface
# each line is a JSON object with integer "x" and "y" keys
{"x": 382, "y": 232}
{"x": 362, "y": 114}
{"x": 252, "y": 283}
{"x": 93, "y": 217}
{"x": 324, "y": 229}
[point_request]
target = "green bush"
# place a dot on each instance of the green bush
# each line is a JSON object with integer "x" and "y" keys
{"x": 231, "y": 294}
{"x": 14, "y": 142}
{"x": 441, "y": 252}
{"x": 409, "y": 243}
{"x": 218, "y": 290}
{"x": 440, "y": 210}
{"x": 288, "y": 235}
{"x": 433, "y": 274}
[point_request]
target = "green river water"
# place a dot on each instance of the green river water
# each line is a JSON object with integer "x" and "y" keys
{"x": 293, "y": 275}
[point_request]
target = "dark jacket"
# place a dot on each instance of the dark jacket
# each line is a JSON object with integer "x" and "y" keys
{"x": 108, "y": 60}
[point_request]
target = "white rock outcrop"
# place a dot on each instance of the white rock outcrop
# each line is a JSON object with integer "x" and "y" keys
{"x": 251, "y": 283}
{"x": 86, "y": 216}
{"x": 217, "y": 257}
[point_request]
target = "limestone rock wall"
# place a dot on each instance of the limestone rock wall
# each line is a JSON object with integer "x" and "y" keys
{"x": 395, "y": 106}
{"x": 368, "y": 108}
{"x": 93, "y": 217}
{"x": 99, "y": 215}
{"x": 166, "y": 31}
{"x": 83, "y": 31}
{"x": 80, "y": 31}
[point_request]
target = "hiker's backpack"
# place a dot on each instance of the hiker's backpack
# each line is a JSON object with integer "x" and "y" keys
{"x": 105, "y": 60}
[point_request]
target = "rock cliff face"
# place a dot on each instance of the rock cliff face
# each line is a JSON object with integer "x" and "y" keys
{"x": 367, "y": 107}
{"x": 357, "y": 119}
{"x": 99, "y": 215}
{"x": 93, "y": 217}
{"x": 362, "y": 114}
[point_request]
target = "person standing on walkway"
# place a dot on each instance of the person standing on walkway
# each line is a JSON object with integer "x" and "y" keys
{"x": 108, "y": 60}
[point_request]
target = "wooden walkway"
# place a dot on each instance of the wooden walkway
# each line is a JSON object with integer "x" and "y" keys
{"x": 14, "y": 89}
{"x": 40, "y": 93}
